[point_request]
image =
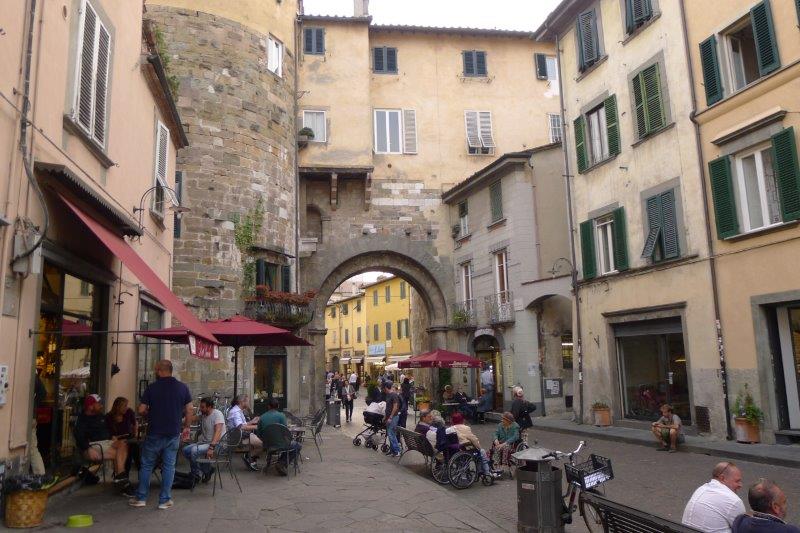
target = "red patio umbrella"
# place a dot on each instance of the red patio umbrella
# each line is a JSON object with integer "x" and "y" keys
{"x": 440, "y": 359}
{"x": 236, "y": 331}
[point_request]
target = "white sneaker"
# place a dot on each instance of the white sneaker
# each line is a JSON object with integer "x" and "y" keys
{"x": 166, "y": 505}
{"x": 136, "y": 502}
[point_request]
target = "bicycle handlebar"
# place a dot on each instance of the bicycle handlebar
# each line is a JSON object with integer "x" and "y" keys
{"x": 555, "y": 454}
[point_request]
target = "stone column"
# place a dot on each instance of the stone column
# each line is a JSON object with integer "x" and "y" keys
{"x": 312, "y": 371}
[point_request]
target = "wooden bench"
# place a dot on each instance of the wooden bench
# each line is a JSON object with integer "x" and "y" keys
{"x": 619, "y": 518}
{"x": 414, "y": 442}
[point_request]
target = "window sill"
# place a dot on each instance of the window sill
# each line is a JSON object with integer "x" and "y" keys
{"x": 71, "y": 126}
{"x": 590, "y": 69}
{"x": 158, "y": 218}
{"x": 496, "y": 224}
{"x": 763, "y": 231}
{"x": 382, "y": 73}
{"x": 654, "y": 134}
{"x": 668, "y": 263}
{"x": 594, "y": 166}
{"x": 641, "y": 28}
{"x": 463, "y": 238}
{"x": 481, "y": 155}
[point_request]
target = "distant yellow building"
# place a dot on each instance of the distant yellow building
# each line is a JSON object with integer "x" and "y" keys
{"x": 346, "y": 340}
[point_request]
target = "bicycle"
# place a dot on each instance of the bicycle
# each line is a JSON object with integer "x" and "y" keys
{"x": 583, "y": 477}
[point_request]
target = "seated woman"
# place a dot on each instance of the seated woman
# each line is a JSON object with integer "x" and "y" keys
{"x": 467, "y": 439}
{"x": 443, "y": 439}
{"x": 121, "y": 423}
{"x": 506, "y": 437}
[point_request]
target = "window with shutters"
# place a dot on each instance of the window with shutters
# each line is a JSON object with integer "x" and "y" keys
{"x": 316, "y": 121}
{"x": 160, "y": 169}
{"x": 756, "y": 189}
{"x": 267, "y": 275}
{"x": 480, "y": 139}
{"x": 501, "y": 273}
{"x": 637, "y": 13}
{"x": 604, "y": 235}
{"x": 597, "y": 134}
{"x": 275, "y": 56}
{"x": 358, "y": 306}
{"x": 596, "y": 128}
{"x": 314, "y": 41}
{"x": 375, "y": 332}
{"x": 388, "y": 331}
{"x": 358, "y": 334}
{"x": 384, "y": 60}
{"x": 387, "y": 293}
{"x": 662, "y": 239}
{"x": 347, "y": 336}
{"x": 375, "y": 297}
{"x": 402, "y": 290}
{"x": 496, "y": 201}
{"x": 474, "y": 63}
{"x": 395, "y": 131}
{"x": 588, "y": 42}
{"x": 345, "y": 309}
{"x": 554, "y": 125}
{"x": 176, "y": 221}
{"x": 604, "y": 248}
{"x": 546, "y": 67}
{"x": 463, "y": 218}
{"x": 90, "y": 111}
{"x": 650, "y": 114}
{"x": 333, "y": 311}
{"x": 466, "y": 282}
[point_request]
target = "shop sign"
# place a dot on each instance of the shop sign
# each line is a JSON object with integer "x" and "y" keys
{"x": 202, "y": 349}
{"x": 377, "y": 349}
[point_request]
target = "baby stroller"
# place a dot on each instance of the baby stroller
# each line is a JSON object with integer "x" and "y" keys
{"x": 374, "y": 432}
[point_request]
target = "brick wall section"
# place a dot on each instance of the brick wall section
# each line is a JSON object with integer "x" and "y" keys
{"x": 239, "y": 118}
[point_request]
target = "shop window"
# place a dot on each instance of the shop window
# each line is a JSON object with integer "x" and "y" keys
{"x": 566, "y": 351}
{"x": 150, "y": 351}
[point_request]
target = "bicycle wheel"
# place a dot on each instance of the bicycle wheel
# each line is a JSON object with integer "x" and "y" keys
{"x": 439, "y": 471}
{"x": 462, "y": 470}
{"x": 591, "y": 516}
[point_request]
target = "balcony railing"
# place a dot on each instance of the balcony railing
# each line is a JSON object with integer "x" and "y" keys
{"x": 282, "y": 309}
{"x": 500, "y": 308}
{"x": 464, "y": 315}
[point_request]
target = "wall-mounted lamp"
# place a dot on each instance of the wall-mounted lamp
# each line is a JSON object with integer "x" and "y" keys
{"x": 175, "y": 206}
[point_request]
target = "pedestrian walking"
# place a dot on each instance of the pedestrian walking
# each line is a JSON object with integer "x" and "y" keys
{"x": 353, "y": 379}
{"x": 348, "y": 395}
{"x": 391, "y": 418}
{"x": 405, "y": 396}
{"x": 714, "y": 506}
{"x": 164, "y": 403}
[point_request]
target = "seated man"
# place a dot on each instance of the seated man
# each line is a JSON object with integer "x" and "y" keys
{"x": 466, "y": 438}
{"x": 212, "y": 424}
{"x": 438, "y": 433}
{"x": 96, "y": 444}
{"x": 714, "y": 505}
{"x": 768, "y": 503}
{"x": 668, "y": 430}
{"x": 237, "y": 419}
{"x": 506, "y": 437}
{"x": 424, "y": 423}
{"x": 274, "y": 416}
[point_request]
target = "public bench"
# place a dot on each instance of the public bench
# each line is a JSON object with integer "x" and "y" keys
{"x": 414, "y": 442}
{"x": 619, "y": 518}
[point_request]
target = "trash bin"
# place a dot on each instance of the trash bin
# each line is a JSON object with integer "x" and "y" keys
{"x": 334, "y": 413}
{"x": 538, "y": 493}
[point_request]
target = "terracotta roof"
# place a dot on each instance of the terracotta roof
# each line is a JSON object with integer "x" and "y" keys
{"x": 418, "y": 29}
{"x": 335, "y": 18}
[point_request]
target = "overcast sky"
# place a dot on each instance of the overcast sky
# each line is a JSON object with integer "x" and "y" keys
{"x": 502, "y": 14}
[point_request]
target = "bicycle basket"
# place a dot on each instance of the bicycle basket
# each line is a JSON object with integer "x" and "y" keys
{"x": 596, "y": 471}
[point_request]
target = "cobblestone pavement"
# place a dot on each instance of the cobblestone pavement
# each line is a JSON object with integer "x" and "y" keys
{"x": 355, "y": 489}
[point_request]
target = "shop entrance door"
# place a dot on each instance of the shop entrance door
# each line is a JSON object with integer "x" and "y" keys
{"x": 789, "y": 327}
{"x": 486, "y": 350}
{"x": 269, "y": 380}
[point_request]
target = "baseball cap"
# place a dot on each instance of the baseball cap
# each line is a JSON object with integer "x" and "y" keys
{"x": 92, "y": 399}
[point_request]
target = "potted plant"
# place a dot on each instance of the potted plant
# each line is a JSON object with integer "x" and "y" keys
{"x": 26, "y": 499}
{"x": 602, "y": 414}
{"x": 305, "y": 135}
{"x": 461, "y": 318}
{"x": 747, "y": 418}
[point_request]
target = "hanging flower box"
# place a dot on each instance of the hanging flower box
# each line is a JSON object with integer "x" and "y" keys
{"x": 287, "y": 310}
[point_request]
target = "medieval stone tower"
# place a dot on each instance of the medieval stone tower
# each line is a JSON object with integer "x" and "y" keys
{"x": 234, "y": 63}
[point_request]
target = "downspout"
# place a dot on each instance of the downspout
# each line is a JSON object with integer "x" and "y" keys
{"x": 723, "y": 370}
{"x": 578, "y": 338}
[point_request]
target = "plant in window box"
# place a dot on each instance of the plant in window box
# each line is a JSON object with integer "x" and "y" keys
{"x": 305, "y": 135}
{"x": 283, "y": 309}
{"x": 461, "y": 318}
{"x": 747, "y": 417}
{"x": 602, "y": 414}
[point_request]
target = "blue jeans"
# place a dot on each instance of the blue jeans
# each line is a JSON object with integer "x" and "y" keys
{"x": 194, "y": 451}
{"x": 391, "y": 430}
{"x": 156, "y": 446}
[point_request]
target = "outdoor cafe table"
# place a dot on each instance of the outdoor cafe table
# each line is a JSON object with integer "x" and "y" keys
{"x": 449, "y": 407}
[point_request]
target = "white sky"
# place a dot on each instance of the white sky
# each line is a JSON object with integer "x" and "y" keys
{"x": 501, "y": 14}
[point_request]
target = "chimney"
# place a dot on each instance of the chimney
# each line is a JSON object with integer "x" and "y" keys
{"x": 360, "y": 8}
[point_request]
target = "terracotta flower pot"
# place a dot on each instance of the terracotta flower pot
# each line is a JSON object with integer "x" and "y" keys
{"x": 602, "y": 416}
{"x": 746, "y": 431}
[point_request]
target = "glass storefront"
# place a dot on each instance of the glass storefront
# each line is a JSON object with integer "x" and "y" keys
{"x": 150, "y": 350}
{"x": 486, "y": 350}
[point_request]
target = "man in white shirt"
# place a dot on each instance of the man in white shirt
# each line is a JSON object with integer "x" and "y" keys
{"x": 714, "y": 506}
{"x": 237, "y": 419}
{"x": 353, "y": 379}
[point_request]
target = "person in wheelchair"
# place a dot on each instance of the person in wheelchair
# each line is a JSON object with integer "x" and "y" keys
{"x": 506, "y": 437}
{"x": 468, "y": 440}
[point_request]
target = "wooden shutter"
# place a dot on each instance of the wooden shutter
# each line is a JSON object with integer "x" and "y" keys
{"x": 308, "y": 40}
{"x": 787, "y": 173}
{"x": 480, "y": 63}
{"x": 640, "y": 12}
{"x": 485, "y": 128}
{"x": 391, "y": 59}
{"x": 286, "y": 278}
{"x": 587, "y": 34}
{"x": 409, "y": 131}
{"x": 711, "y": 75}
{"x": 101, "y": 84}
{"x": 469, "y": 62}
{"x": 471, "y": 120}
{"x": 378, "y": 64}
{"x": 319, "y": 41}
{"x": 653, "y": 207}
{"x": 764, "y": 33}
{"x": 719, "y": 171}
{"x": 176, "y": 222}
{"x": 620, "y": 240}
{"x": 669, "y": 225}
{"x": 612, "y": 124}
{"x": 797, "y": 6}
{"x": 587, "y": 249}
{"x": 162, "y": 154}
{"x": 86, "y": 79}
{"x": 496, "y": 201}
{"x": 580, "y": 144}
{"x": 654, "y": 105}
{"x": 639, "y": 111}
{"x": 541, "y": 65}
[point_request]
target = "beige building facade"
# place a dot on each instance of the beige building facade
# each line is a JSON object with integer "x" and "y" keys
{"x": 746, "y": 81}
{"x": 94, "y": 140}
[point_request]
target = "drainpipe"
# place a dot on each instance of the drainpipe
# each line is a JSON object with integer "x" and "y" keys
{"x": 723, "y": 370}
{"x": 578, "y": 336}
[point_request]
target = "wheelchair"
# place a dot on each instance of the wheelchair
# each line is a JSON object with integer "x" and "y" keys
{"x": 465, "y": 467}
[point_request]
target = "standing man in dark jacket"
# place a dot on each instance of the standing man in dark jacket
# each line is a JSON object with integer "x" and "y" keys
{"x": 164, "y": 403}
{"x": 522, "y": 409}
{"x": 768, "y": 503}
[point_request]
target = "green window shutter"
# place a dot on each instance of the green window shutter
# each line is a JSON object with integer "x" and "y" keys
{"x": 286, "y": 278}
{"x": 669, "y": 226}
{"x": 469, "y": 62}
{"x": 654, "y": 105}
{"x": 308, "y": 40}
{"x": 764, "y": 32}
{"x": 639, "y": 107}
{"x": 319, "y": 43}
{"x": 587, "y": 34}
{"x": 653, "y": 207}
{"x": 711, "y": 75}
{"x": 620, "y": 240}
{"x": 578, "y": 45}
{"x": 480, "y": 64}
{"x": 496, "y": 198}
{"x": 587, "y": 250}
{"x": 541, "y": 65}
{"x": 378, "y": 63}
{"x": 797, "y": 6}
{"x": 637, "y": 12}
{"x": 612, "y": 124}
{"x": 391, "y": 59}
{"x": 630, "y": 25}
{"x": 787, "y": 173}
{"x": 580, "y": 144}
{"x": 719, "y": 171}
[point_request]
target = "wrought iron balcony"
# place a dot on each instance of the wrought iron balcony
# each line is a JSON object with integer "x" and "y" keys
{"x": 464, "y": 315}
{"x": 282, "y": 309}
{"x": 500, "y": 308}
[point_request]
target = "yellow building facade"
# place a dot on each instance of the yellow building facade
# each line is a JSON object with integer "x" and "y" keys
{"x": 346, "y": 337}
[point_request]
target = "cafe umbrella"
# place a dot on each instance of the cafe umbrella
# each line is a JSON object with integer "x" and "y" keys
{"x": 440, "y": 359}
{"x": 236, "y": 332}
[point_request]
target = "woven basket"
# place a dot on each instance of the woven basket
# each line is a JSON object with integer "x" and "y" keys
{"x": 25, "y": 508}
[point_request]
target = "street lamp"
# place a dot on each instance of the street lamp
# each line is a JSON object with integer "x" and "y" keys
{"x": 175, "y": 206}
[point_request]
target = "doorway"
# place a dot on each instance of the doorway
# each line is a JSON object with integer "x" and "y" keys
{"x": 487, "y": 350}
{"x": 269, "y": 379}
{"x": 789, "y": 331}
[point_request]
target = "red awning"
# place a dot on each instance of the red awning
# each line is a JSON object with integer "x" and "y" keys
{"x": 440, "y": 359}
{"x": 236, "y": 331}
{"x": 202, "y": 342}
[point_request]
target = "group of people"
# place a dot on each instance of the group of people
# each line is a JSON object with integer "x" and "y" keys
{"x": 716, "y": 508}
{"x": 344, "y": 388}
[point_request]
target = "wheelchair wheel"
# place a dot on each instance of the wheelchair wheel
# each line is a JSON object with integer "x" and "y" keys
{"x": 512, "y": 463}
{"x": 384, "y": 448}
{"x": 357, "y": 441}
{"x": 439, "y": 471}
{"x": 462, "y": 470}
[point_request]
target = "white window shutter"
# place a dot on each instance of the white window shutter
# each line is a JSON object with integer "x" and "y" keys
{"x": 473, "y": 137}
{"x": 84, "y": 98}
{"x": 162, "y": 153}
{"x": 409, "y": 131}
{"x": 485, "y": 122}
{"x": 101, "y": 84}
